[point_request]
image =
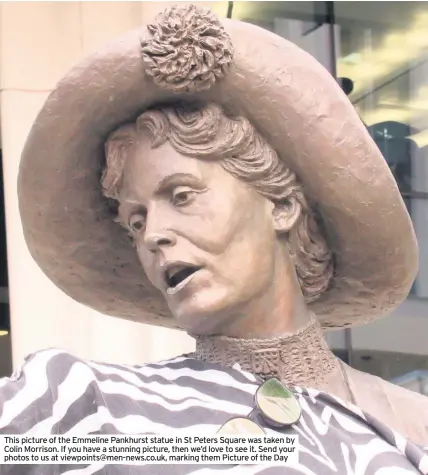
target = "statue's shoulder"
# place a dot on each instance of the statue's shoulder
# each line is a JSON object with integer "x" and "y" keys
{"x": 39, "y": 394}
{"x": 403, "y": 410}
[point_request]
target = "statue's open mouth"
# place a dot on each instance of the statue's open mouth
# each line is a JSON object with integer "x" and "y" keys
{"x": 177, "y": 275}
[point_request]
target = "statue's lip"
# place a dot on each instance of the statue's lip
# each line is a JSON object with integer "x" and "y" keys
{"x": 174, "y": 273}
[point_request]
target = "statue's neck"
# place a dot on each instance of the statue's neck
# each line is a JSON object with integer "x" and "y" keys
{"x": 302, "y": 358}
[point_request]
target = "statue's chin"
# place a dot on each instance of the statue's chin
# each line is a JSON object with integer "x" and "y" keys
{"x": 199, "y": 323}
{"x": 203, "y": 313}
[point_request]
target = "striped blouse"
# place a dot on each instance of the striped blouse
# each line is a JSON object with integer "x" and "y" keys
{"x": 57, "y": 393}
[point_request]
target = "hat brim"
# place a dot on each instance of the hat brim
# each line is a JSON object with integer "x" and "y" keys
{"x": 301, "y": 111}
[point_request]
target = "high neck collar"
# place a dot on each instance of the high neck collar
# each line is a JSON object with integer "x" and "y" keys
{"x": 297, "y": 359}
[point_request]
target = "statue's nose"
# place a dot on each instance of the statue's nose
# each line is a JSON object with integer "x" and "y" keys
{"x": 156, "y": 233}
{"x": 155, "y": 240}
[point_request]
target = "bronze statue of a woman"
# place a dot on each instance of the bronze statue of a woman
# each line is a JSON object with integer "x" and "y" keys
{"x": 208, "y": 175}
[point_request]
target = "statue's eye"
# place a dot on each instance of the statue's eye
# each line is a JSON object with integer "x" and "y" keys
{"x": 137, "y": 222}
{"x": 182, "y": 195}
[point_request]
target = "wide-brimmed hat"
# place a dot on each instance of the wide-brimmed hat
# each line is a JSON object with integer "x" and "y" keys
{"x": 287, "y": 95}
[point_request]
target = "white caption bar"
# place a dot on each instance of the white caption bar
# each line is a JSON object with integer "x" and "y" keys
{"x": 144, "y": 450}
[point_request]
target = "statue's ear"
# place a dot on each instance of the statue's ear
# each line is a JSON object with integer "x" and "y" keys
{"x": 286, "y": 214}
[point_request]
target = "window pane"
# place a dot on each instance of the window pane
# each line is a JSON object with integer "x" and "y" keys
{"x": 382, "y": 51}
{"x": 379, "y": 53}
{"x": 303, "y": 23}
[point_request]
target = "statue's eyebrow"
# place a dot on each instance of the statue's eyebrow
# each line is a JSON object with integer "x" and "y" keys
{"x": 178, "y": 179}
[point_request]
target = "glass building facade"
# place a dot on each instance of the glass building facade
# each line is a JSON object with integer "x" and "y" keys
{"x": 378, "y": 52}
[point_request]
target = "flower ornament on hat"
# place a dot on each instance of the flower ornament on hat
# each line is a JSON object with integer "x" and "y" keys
{"x": 188, "y": 51}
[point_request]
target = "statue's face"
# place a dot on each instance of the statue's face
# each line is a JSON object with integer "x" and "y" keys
{"x": 205, "y": 239}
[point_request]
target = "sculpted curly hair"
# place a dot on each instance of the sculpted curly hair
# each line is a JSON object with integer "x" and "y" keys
{"x": 206, "y": 133}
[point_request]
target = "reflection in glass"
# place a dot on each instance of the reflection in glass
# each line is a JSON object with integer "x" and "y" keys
{"x": 240, "y": 425}
{"x": 383, "y": 49}
{"x": 380, "y": 49}
{"x": 277, "y": 403}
